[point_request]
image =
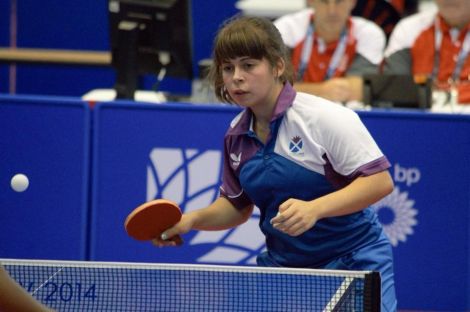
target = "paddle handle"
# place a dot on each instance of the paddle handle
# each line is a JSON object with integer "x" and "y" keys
{"x": 177, "y": 239}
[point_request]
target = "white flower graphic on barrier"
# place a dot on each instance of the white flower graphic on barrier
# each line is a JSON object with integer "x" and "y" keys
{"x": 397, "y": 215}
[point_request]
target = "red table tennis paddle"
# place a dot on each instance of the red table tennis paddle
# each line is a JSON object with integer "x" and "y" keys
{"x": 151, "y": 219}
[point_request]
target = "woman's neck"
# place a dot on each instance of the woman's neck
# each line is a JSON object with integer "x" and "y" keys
{"x": 264, "y": 114}
{"x": 262, "y": 129}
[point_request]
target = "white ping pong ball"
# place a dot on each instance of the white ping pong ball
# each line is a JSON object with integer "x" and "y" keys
{"x": 19, "y": 182}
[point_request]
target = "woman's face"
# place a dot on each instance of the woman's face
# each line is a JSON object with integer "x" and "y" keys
{"x": 251, "y": 82}
{"x": 455, "y": 12}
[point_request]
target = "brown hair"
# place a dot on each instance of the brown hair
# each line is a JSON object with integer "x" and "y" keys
{"x": 255, "y": 37}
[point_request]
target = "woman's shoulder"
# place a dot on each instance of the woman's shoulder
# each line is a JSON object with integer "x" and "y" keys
{"x": 314, "y": 104}
{"x": 320, "y": 112}
{"x": 239, "y": 124}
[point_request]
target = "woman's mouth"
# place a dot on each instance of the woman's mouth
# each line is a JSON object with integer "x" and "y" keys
{"x": 239, "y": 92}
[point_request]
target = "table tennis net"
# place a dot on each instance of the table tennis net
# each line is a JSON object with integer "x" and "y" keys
{"x": 114, "y": 286}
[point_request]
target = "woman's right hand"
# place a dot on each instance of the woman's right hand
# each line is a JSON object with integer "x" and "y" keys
{"x": 182, "y": 227}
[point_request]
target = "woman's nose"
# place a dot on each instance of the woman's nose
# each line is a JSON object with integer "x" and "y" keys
{"x": 237, "y": 74}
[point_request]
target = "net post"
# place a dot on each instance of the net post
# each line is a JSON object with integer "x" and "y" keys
{"x": 373, "y": 292}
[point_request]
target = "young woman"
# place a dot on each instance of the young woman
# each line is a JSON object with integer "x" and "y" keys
{"x": 310, "y": 165}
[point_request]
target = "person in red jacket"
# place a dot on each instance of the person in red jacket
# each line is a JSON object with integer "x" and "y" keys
{"x": 435, "y": 44}
{"x": 331, "y": 50}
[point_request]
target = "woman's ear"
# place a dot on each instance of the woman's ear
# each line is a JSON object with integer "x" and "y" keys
{"x": 280, "y": 67}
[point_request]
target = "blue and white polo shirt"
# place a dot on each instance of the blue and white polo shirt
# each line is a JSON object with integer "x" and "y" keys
{"x": 315, "y": 148}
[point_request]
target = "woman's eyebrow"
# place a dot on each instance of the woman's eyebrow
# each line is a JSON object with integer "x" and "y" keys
{"x": 241, "y": 58}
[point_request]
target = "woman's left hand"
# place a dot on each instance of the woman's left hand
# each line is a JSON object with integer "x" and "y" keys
{"x": 295, "y": 217}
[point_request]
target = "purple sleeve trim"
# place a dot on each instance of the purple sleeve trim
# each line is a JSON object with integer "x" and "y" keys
{"x": 375, "y": 166}
{"x": 340, "y": 181}
{"x": 239, "y": 202}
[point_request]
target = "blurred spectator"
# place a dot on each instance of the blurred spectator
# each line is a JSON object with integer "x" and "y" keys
{"x": 435, "y": 44}
{"x": 332, "y": 50}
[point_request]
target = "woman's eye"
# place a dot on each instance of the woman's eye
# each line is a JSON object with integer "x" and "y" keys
{"x": 248, "y": 65}
{"x": 226, "y": 68}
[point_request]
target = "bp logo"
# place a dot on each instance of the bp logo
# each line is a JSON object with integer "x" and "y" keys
{"x": 397, "y": 215}
{"x": 191, "y": 178}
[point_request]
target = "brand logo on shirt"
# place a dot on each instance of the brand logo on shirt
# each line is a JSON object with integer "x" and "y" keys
{"x": 296, "y": 145}
{"x": 235, "y": 159}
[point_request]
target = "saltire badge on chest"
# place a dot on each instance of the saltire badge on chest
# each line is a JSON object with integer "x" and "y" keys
{"x": 296, "y": 145}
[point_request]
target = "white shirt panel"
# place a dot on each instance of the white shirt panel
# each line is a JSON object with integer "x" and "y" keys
{"x": 326, "y": 128}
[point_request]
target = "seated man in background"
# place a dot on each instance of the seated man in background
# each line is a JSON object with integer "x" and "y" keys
{"x": 434, "y": 44}
{"x": 331, "y": 50}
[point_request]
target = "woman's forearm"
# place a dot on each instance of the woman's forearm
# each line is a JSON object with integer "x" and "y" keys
{"x": 220, "y": 215}
{"x": 361, "y": 193}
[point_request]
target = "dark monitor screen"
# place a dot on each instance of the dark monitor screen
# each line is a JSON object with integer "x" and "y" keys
{"x": 149, "y": 37}
{"x": 401, "y": 91}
